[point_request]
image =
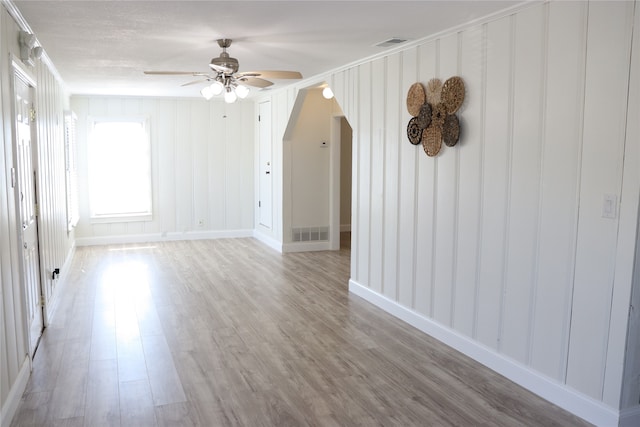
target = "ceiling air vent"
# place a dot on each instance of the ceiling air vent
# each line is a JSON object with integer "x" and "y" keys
{"x": 391, "y": 42}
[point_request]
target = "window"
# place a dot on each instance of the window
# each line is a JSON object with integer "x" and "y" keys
{"x": 119, "y": 170}
{"x": 71, "y": 172}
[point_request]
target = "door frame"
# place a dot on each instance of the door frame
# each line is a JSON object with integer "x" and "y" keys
{"x": 19, "y": 69}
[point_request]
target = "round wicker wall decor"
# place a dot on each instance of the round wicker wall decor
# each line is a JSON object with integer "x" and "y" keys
{"x": 415, "y": 99}
{"x": 433, "y": 109}
{"x": 414, "y": 132}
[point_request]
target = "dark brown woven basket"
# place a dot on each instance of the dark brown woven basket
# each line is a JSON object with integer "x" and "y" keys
{"x": 414, "y": 132}
{"x": 451, "y": 130}
{"x": 424, "y": 118}
{"x": 438, "y": 114}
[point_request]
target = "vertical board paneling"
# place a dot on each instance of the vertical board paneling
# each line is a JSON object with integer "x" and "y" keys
{"x": 55, "y": 243}
{"x": 558, "y": 197}
{"x": 377, "y": 174}
{"x": 601, "y": 173}
{"x": 486, "y": 233}
{"x": 525, "y": 182}
{"x": 495, "y": 180}
{"x": 13, "y": 321}
{"x": 202, "y": 168}
{"x": 423, "y": 210}
{"x": 245, "y": 143}
{"x": 231, "y": 151}
{"x": 200, "y": 165}
{"x": 406, "y": 193}
{"x": 217, "y": 161}
{"x": 446, "y": 201}
{"x": 164, "y": 192}
{"x": 353, "y": 94}
{"x": 627, "y": 275}
{"x": 152, "y": 226}
{"x": 470, "y": 179}
{"x": 184, "y": 172}
{"x": 364, "y": 173}
{"x": 393, "y": 139}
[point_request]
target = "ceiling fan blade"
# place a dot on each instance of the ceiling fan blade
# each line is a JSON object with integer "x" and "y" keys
{"x": 272, "y": 74}
{"x": 176, "y": 73}
{"x": 255, "y": 82}
{"x": 195, "y": 82}
{"x": 221, "y": 69}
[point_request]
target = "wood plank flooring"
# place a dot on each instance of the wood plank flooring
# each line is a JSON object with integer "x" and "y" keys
{"x": 230, "y": 333}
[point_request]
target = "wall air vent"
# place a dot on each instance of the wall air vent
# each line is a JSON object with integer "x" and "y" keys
{"x": 391, "y": 42}
{"x": 310, "y": 234}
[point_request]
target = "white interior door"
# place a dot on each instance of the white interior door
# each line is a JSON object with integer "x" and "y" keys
{"x": 264, "y": 169}
{"x": 25, "y": 124}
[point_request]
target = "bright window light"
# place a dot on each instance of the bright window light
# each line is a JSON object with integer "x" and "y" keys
{"x": 120, "y": 170}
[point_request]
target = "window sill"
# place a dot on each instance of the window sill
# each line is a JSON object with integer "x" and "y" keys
{"x": 106, "y": 219}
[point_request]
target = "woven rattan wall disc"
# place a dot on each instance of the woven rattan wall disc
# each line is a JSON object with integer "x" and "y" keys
{"x": 438, "y": 114}
{"x": 414, "y": 132}
{"x": 434, "y": 91}
{"x": 432, "y": 140}
{"x": 451, "y": 130}
{"x": 453, "y": 94}
{"x": 424, "y": 118}
{"x": 415, "y": 99}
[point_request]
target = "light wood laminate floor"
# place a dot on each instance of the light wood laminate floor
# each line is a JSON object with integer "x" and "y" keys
{"x": 230, "y": 333}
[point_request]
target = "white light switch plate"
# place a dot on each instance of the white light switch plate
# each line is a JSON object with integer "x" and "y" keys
{"x": 610, "y": 206}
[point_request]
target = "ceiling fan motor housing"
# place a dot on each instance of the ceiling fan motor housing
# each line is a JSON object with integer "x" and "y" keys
{"x": 224, "y": 60}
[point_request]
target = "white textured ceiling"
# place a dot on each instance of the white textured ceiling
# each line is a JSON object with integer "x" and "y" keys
{"x": 103, "y": 47}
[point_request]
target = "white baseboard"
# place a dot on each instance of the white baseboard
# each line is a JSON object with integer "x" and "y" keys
{"x": 561, "y": 395}
{"x": 306, "y": 246}
{"x": 630, "y": 417}
{"x": 162, "y": 237}
{"x": 15, "y": 394}
{"x": 267, "y": 240}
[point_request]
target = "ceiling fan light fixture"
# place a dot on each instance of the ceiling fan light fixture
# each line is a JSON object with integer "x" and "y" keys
{"x": 207, "y": 92}
{"x": 242, "y": 91}
{"x": 217, "y": 88}
{"x": 230, "y": 96}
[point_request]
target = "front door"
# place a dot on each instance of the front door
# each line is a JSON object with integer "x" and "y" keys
{"x": 25, "y": 127}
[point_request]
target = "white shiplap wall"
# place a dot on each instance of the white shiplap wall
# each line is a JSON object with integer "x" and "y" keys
{"x": 56, "y": 245}
{"x": 498, "y": 246}
{"x": 202, "y": 167}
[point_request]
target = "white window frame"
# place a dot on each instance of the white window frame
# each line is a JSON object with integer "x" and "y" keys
{"x": 146, "y": 215}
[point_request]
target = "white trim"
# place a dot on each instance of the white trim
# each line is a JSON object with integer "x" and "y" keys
{"x": 560, "y": 394}
{"x": 24, "y": 26}
{"x": 162, "y": 237}
{"x": 306, "y": 246}
{"x": 15, "y": 394}
{"x": 52, "y": 305}
{"x": 630, "y": 417}
{"x": 23, "y": 71}
{"x": 267, "y": 240}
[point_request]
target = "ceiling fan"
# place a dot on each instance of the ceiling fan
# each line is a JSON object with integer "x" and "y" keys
{"x": 226, "y": 79}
